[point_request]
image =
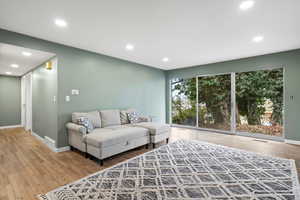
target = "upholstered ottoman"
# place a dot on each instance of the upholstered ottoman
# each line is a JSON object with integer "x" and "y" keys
{"x": 106, "y": 142}
{"x": 158, "y": 132}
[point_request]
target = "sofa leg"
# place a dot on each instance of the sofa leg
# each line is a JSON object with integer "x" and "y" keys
{"x": 167, "y": 140}
{"x": 100, "y": 162}
{"x": 147, "y": 146}
{"x": 153, "y": 145}
{"x": 86, "y": 155}
{"x": 71, "y": 148}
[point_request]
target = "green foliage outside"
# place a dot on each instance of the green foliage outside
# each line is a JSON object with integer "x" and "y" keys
{"x": 252, "y": 90}
{"x": 184, "y": 102}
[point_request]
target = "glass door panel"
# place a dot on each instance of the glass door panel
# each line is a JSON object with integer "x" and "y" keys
{"x": 183, "y": 94}
{"x": 214, "y": 102}
{"x": 259, "y": 100}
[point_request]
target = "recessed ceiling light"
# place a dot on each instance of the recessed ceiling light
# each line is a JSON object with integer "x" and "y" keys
{"x": 26, "y": 53}
{"x": 61, "y": 22}
{"x": 14, "y": 65}
{"x": 8, "y": 73}
{"x": 129, "y": 47}
{"x": 258, "y": 38}
{"x": 245, "y": 5}
{"x": 165, "y": 59}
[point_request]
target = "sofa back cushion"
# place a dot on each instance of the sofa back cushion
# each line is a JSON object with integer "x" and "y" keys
{"x": 110, "y": 118}
{"x": 93, "y": 116}
{"x": 124, "y": 115}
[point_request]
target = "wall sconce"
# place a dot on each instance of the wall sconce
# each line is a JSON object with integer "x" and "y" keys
{"x": 49, "y": 65}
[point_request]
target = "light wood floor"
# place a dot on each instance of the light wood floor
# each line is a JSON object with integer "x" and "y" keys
{"x": 28, "y": 167}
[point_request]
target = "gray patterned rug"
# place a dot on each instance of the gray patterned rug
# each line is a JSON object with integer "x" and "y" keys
{"x": 189, "y": 170}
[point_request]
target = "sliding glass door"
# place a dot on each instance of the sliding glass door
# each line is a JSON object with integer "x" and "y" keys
{"x": 259, "y": 100}
{"x": 214, "y": 102}
{"x": 248, "y": 103}
{"x": 183, "y": 96}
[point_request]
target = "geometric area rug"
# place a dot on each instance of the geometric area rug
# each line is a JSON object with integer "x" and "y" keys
{"x": 189, "y": 170}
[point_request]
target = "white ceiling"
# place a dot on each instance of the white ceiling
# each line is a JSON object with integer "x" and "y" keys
{"x": 10, "y": 54}
{"x": 189, "y": 32}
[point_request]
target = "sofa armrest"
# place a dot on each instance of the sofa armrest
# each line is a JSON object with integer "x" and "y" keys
{"x": 76, "y": 128}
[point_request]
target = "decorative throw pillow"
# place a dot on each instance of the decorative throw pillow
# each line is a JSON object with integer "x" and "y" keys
{"x": 124, "y": 115}
{"x": 94, "y": 116}
{"x": 84, "y": 121}
{"x": 133, "y": 117}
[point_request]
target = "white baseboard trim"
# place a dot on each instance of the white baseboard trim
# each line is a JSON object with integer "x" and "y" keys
{"x": 12, "y": 126}
{"x": 62, "y": 149}
{"x": 296, "y": 142}
{"x": 37, "y": 136}
{"x": 49, "y": 145}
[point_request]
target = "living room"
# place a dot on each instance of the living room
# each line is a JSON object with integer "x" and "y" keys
{"x": 189, "y": 105}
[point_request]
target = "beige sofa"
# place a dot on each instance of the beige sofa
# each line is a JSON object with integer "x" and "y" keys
{"x": 113, "y": 133}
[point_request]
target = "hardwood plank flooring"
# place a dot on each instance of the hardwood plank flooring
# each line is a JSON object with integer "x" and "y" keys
{"x": 29, "y": 168}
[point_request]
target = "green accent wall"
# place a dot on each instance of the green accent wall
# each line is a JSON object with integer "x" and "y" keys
{"x": 44, "y": 107}
{"x": 289, "y": 60}
{"x": 10, "y": 100}
{"x": 104, "y": 82}
{"x": 107, "y": 83}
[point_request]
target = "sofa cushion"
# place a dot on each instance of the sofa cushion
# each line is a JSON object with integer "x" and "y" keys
{"x": 124, "y": 115}
{"x": 116, "y": 127}
{"x": 110, "y": 117}
{"x": 96, "y": 131}
{"x": 94, "y": 116}
{"x": 154, "y": 128}
{"x": 103, "y": 138}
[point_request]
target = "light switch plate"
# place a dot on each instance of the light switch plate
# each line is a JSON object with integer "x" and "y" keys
{"x": 75, "y": 92}
{"x": 67, "y": 98}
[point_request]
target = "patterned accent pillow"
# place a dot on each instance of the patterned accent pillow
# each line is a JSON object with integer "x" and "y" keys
{"x": 84, "y": 121}
{"x": 133, "y": 117}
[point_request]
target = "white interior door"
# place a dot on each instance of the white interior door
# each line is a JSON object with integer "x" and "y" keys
{"x": 23, "y": 100}
{"x": 27, "y": 101}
